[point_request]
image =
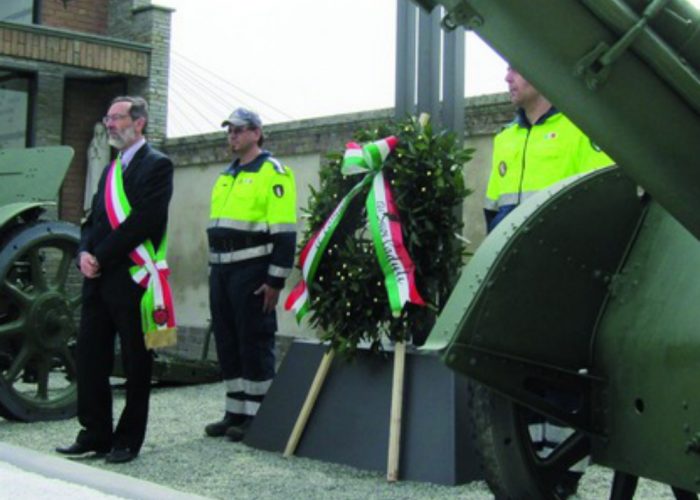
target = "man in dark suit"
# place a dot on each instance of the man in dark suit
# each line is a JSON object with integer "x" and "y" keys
{"x": 111, "y": 298}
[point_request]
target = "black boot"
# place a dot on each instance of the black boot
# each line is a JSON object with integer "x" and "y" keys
{"x": 217, "y": 429}
{"x": 237, "y": 432}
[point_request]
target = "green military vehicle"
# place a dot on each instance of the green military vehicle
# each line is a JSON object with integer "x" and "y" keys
{"x": 583, "y": 305}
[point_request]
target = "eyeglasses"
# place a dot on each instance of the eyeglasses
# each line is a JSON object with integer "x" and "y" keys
{"x": 237, "y": 130}
{"x": 113, "y": 118}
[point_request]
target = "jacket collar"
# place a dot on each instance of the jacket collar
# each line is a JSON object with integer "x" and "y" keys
{"x": 252, "y": 166}
{"x": 521, "y": 117}
{"x": 129, "y": 153}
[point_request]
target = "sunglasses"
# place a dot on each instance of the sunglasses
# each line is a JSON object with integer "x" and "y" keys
{"x": 237, "y": 130}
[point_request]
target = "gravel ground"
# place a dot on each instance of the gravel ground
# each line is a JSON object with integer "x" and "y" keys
{"x": 178, "y": 454}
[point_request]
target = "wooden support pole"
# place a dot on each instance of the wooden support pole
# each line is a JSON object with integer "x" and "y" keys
{"x": 309, "y": 403}
{"x": 392, "y": 468}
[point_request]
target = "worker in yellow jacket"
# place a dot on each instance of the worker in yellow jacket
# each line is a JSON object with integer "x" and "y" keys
{"x": 537, "y": 149}
{"x": 252, "y": 241}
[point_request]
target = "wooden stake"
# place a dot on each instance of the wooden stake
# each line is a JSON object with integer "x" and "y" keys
{"x": 392, "y": 468}
{"x": 309, "y": 403}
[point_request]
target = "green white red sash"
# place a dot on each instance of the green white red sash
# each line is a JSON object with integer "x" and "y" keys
{"x": 385, "y": 227}
{"x": 150, "y": 269}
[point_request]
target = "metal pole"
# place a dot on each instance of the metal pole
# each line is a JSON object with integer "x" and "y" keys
{"x": 453, "y": 83}
{"x": 429, "y": 34}
{"x": 405, "y": 100}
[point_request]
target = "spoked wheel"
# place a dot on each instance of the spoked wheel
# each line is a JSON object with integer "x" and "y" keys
{"x": 39, "y": 313}
{"x": 515, "y": 465}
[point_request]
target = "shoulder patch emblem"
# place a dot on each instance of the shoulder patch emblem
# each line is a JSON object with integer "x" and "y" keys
{"x": 278, "y": 189}
{"x": 502, "y": 168}
{"x": 551, "y": 135}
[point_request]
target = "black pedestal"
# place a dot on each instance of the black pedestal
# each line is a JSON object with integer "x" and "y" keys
{"x": 350, "y": 421}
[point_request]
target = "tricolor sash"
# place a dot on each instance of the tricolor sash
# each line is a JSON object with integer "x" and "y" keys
{"x": 384, "y": 224}
{"x": 150, "y": 269}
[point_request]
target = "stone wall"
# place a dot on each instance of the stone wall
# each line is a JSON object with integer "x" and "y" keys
{"x": 301, "y": 145}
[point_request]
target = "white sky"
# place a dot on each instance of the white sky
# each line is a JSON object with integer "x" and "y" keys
{"x": 292, "y": 59}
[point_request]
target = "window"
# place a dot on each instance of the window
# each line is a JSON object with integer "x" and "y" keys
{"x": 15, "y": 93}
{"x": 17, "y": 11}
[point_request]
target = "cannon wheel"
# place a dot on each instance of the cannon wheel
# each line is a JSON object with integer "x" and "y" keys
{"x": 39, "y": 314}
{"x": 514, "y": 469}
{"x": 512, "y": 465}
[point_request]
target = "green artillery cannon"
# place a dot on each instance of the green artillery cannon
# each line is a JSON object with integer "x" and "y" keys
{"x": 40, "y": 295}
{"x": 582, "y": 306}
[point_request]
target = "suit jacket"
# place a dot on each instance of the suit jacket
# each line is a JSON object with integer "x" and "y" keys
{"x": 148, "y": 183}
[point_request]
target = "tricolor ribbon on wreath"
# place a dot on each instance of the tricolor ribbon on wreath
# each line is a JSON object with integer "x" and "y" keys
{"x": 150, "y": 269}
{"x": 385, "y": 227}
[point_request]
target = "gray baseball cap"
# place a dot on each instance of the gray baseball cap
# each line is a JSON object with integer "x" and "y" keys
{"x": 243, "y": 117}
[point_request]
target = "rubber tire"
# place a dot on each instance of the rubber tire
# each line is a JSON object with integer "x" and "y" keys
{"x": 505, "y": 450}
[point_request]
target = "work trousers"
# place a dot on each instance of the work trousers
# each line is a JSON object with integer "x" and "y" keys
{"x": 111, "y": 306}
{"x": 245, "y": 336}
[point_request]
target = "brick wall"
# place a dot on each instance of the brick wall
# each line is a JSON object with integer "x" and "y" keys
{"x": 24, "y": 41}
{"x": 85, "y": 102}
{"x": 47, "y": 112}
{"x": 87, "y": 16}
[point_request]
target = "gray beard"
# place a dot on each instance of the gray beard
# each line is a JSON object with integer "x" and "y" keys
{"x": 120, "y": 141}
{"x": 116, "y": 142}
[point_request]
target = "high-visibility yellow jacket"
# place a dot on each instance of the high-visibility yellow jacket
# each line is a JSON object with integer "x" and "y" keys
{"x": 528, "y": 158}
{"x": 253, "y": 216}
